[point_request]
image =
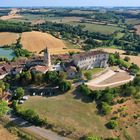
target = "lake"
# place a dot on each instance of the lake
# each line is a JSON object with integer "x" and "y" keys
{"x": 8, "y": 53}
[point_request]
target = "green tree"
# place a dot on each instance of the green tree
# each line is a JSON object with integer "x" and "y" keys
{"x": 37, "y": 77}
{"x": 93, "y": 138}
{"x": 51, "y": 77}
{"x": 111, "y": 60}
{"x": 88, "y": 75}
{"x": 3, "y": 108}
{"x": 112, "y": 124}
{"x": 130, "y": 91}
{"x": 127, "y": 58}
{"x": 2, "y": 85}
{"x": 19, "y": 93}
{"x": 64, "y": 86}
{"x": 84, "y": 90}
{"x": 105, "y": 108}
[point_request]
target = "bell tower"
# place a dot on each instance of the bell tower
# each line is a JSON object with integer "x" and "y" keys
{"x": 47, "y": 58}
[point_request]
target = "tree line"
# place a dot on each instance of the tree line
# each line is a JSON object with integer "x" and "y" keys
{"x": 7, "y": 26}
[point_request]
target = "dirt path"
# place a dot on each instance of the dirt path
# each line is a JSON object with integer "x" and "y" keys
{"x": 38, "y": 131}
{"x": 12, "y": 14}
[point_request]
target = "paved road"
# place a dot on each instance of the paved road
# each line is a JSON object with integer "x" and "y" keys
{"x": 38, "y": 131}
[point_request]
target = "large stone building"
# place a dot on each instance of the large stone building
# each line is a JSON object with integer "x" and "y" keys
{"x": 91, "y": 59}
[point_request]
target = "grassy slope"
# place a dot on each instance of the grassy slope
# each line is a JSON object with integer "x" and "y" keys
{"x": 5, "y": 134}
{"x": 105, "y": 29}
{"x": 67, "y": 112}
{"x": 133, "y": 21}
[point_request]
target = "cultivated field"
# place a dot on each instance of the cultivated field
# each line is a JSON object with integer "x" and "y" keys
{"x": 37, "y": 41}
{"x": 105, "y": 29}
{"x": 133, "y": 21}
{"x": 7, "y": 38}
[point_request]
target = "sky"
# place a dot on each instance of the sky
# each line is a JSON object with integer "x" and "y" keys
{"x": 13, "y": 3}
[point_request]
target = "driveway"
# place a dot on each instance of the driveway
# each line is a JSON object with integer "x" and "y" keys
{"x": 110, "y": 78}
{"x": 38, "y": 131}
{"x": 101, "y": 78}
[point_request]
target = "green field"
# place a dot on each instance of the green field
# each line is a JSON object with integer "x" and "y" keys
{"x": 105, "y": 29}
{"x": 70, "y": 45}
{"x": 68, "y": 112}
{"x": 94, "y": 71}
{"x": 133, "y": 21}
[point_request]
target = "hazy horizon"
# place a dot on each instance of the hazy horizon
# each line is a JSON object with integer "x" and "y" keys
{"x": 72, "y": 3}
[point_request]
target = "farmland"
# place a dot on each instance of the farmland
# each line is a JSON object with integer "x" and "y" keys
{"x": 105, "y": 29}
{"x": 133, "y": 21}
{"x": 37, "y": 41}
{"x": 7, "y": 38}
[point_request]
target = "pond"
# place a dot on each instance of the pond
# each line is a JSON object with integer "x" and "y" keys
{"x": 8, "y": 53}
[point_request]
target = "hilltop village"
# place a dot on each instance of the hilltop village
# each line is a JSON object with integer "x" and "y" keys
{"x": 70, "y": 73}
{"x": 85, "y": 60}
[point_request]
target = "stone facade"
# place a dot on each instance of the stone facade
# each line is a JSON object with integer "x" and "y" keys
{"x": 91, "y": 59}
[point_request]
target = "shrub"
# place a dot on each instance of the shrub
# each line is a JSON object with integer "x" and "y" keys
{"x": 64, "y": 86}
{"x": 105, "y": 108}
{"x": 88, "y": 75}
{"x": 85, "y": 90}
{"x": 112, "y": 124}
{"x": 93, "y": 138}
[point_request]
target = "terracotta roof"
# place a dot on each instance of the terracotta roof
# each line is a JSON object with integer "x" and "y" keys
{"x": 87, "y": 54}
{"x": 61, "y": 56}
{"x": 42, "y": 69}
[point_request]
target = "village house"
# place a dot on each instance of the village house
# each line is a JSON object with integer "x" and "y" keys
{"x": 72, "y": 72}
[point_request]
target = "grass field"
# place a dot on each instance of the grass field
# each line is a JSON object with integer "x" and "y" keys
{"x": 5, "y": 134}
{"x": 7, "y": 38}
{"x": 70, "y": 45}
{"x": 94, "y": 71}
{"x": 70, "y": 113}
{"x": 74, "y": 113}
{"x": 119, "y": 35}
{"x": 105, "y": 29}
{"x": 133, "y": 21}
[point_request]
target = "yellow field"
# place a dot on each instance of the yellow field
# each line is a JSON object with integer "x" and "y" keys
{"x": 133, "y": 59}
{"x": 36, "y": 41}
{"x": 7, "y": 38}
